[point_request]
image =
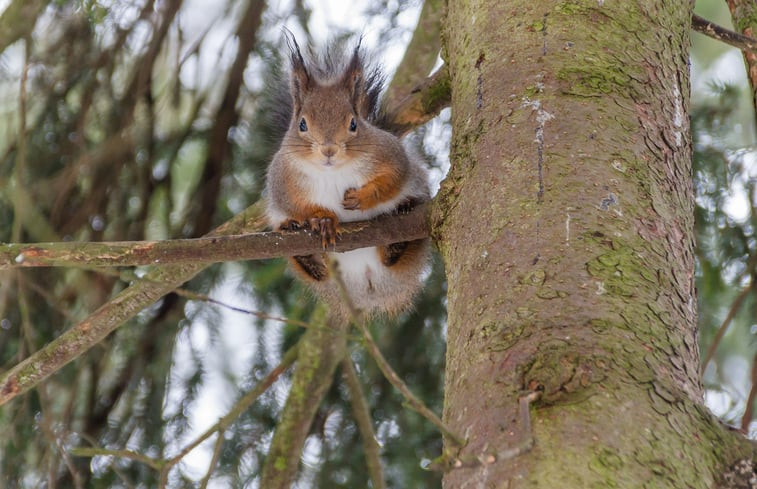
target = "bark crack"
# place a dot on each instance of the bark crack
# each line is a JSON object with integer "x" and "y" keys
{"x": 542, "y": 117}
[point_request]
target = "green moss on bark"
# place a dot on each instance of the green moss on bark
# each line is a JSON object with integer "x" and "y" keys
{"x": 565, "y": 224}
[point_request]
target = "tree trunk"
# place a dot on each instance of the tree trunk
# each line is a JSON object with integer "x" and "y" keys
{"x": 566, "y": 226}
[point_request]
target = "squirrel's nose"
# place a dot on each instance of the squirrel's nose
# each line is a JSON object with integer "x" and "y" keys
{"x": 329, "y": 150}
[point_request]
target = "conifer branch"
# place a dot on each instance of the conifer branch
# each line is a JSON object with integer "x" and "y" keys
{"x": 422, "y": 104}
{"x": 100, "y": 323}
{"x": 719, "y": 33}
{"x": 239, "y": 407}
{"x": 321, "y": 349}
{"x": 165, "y": 465}
{"x": 362, "y": 416}
{"x": 383, "y": 230}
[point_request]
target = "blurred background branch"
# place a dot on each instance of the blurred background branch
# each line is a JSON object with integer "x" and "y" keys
{"x": 147, "y": 121}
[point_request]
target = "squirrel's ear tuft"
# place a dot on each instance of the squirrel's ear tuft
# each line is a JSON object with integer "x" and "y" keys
{"x": 353, "y": 80}
{"x": 300, "y": 79}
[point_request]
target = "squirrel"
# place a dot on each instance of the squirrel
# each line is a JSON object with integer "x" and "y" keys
{"x": 336, "y": 164}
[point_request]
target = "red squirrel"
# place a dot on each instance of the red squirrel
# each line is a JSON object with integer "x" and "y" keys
{"x": 335, "y": 164}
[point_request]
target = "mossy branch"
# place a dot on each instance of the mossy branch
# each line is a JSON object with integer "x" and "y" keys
{"x": 362, "y": 415}
{"x": 93, "y": 329}
{"x": 422, "y": 104}
{"x": 321, "y": 349}
{"x": 383, "y": 230}
{"x": 420, "y": 56}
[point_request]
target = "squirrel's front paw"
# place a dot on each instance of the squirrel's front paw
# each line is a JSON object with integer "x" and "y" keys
{"x": 326, "y": 227}
{"x": 351, "y": 200}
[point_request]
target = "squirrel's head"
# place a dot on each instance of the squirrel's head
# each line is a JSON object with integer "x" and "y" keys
{"x": 332, "y": 106}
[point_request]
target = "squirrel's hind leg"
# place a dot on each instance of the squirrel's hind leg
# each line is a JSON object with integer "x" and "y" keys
{"x": 310, "y": 267}
{"x": 397, "y": 254}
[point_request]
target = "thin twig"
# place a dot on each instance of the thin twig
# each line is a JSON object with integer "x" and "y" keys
{"x": 449, "y": 462}
{"x": 294, "y": 322}
{"x": 364, "y": 423}
{"x": 710, "y": 29}
{"x": 128, "y": 275}
{"x": 735, "y": 306}
{"x": 164, "y": 466}
{"x": 746, "y": 420}
{"x": 389, "y": 373}
{"x": 239, "y": 407}
{"x": 527, "y": 440}
{"x": 400, "y": 385}
{"x": 138, "y": 457}
{"x": 195, "y": 296}
{"x": 214, "y": 460}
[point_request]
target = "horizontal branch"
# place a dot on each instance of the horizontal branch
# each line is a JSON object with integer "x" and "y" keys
{"x": 383, "y": 230}
{"x": 710, "y": 29}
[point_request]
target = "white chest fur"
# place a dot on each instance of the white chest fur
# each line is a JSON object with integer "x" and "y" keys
{"x": 368, "y": 281}
{"x": 330, "y": 183}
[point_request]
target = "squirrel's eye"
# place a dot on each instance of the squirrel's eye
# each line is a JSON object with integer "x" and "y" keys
{"x": 303, "y": 125}
{"x": 353, "y": 125}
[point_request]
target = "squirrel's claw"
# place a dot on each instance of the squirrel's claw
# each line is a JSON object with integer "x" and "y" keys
{"x": 351, "y": 200}
{"x": 405, "y": 206}
{"x": 326, "y": 228}
{"x": 322, "y": 225}
{"x": 290, "y": 225}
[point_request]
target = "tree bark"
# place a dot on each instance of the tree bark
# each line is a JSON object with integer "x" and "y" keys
{"x": 743, "y": 15}
{"x": 575, "y": 277}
